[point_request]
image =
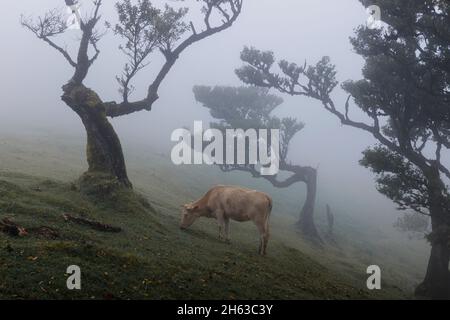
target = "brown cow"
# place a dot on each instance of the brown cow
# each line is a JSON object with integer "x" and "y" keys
{"x": 224, "y": 203}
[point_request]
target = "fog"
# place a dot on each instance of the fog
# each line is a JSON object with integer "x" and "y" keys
{"x": 296, "y": 30}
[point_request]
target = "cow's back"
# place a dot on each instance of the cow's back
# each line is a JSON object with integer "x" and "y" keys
{"x": 239, "y": 203}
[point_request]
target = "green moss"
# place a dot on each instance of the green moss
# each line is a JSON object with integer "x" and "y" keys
{"x": 84, "y": 96}
{"x": 92, "y": 99}
{"x": 110, "y": 192}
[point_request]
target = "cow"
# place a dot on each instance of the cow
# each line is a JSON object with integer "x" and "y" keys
{"x": 226, "y": 203}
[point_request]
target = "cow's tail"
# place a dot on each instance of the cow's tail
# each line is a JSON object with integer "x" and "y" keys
{"x": 269, "y": 199}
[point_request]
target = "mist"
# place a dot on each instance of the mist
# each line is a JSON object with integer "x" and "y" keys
{"x": 132, "y": 207}
{"x": 295, "y": 30}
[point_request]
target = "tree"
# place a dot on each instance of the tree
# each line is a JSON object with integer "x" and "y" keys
{"x": 145, "y": 31}
{"x": 405, "y": 96}
{"x": 330, "y": 221}
{"x": 416, "y": 225}
{"x": 251, "y": 108}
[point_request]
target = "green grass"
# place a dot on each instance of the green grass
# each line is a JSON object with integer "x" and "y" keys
{"x": 152, "y": 258}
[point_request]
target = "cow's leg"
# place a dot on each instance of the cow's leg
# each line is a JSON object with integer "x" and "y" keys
{"x": 227, "y": 229}
{"x": 221, "y": 223}
{"x": 265, "y": 236}
{"x": 260, "y": 245}
{"x": 263, "y": 228}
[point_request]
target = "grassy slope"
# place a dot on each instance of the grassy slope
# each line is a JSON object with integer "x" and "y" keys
{"x": 152, "y": 258}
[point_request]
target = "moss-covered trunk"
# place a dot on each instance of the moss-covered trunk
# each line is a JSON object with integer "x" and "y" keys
{"x": 104, "y": 151}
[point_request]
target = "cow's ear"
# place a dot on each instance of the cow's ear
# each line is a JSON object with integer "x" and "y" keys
{"x": 191, "y": 207}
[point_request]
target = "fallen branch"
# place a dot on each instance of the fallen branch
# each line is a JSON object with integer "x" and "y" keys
{"x": 91, "y": 223}
{"x": 11, "y": 228}
{"x": 46, "y": 232}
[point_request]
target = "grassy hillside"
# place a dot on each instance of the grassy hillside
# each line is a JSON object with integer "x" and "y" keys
{"x": 151, "y": 258}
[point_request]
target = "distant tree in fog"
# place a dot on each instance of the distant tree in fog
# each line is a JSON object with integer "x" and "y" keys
{"x": 330, "y": 220}
{"x": 146, "y": 30}
{"x": 251, "y": 108}
{"x": 405, "y": 96}
{"x": 416, "y": 225}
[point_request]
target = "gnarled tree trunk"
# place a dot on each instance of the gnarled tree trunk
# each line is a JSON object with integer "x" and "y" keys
{"x": 436, "y": 284}
{"x": 306, "y": 221}
{"x": 104, "y": 151}
{"x": 308, "y": 175}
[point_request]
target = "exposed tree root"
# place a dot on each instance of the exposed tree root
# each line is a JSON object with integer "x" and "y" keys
{"x": 91, "y": 223}
{"x": 11, "y": 228}
{"x": 45, "y": 232}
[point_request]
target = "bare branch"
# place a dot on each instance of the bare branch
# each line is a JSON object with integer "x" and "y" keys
{"x": 90, "y": 37}
{"x": 115, "y": 109}
{"x": 192, "y": 27}
{"x": 53, "y": 23}
{"x": 50, "y": 25}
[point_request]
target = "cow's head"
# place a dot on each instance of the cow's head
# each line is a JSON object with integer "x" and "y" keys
{"x": 189, "y": 213}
